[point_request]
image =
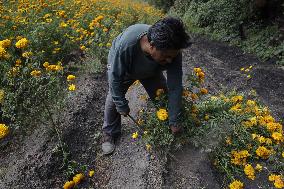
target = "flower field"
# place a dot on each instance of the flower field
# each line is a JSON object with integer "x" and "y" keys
{"x": 38, "y": 40}
{"x": 44, "y": 42}
{"x": 244, "y": 140}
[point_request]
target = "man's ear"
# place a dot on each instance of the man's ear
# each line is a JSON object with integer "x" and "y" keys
{"x": 151, "y": 45}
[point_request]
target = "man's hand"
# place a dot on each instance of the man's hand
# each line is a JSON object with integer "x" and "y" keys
{"x": 124, "y": 112}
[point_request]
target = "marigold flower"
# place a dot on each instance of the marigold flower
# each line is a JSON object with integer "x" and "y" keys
{"x": 68, "y": 185}
{"x": 159, "y": 92}
{"x": 283, "y": 154}
{"x": 263, "y": 152}
{"x": 239, "y": 157}
{"x": 251, "y": 103}
{"x": 194, "y": 96}
{"x": 4, "y": 130}
{"x": 45, "y": 64}
{"x": 249, "y": 171}
{"x": 236, "y": 99}
{"x": 2, "y": 95}
{"x": 206, "y": 117}
{"x": 162, "y": 114}
{"x": 83, "y": 47}
{"x": 22, "y": 43}
{"x": 18, "y": 62}
{"x": 148, "y": 147}
{"x": 3, "y": 52}
{"x": 197, "y": 70}
{"x": 135, "y": 135}
{"x": 72, "y": 87}
{"x": 91, "y": 173}
{"x": 278, "y": 180}
{"x": 27, "y": 54}
{"x": 71, "y": 77}
{"x": 78, "y": 178}
{"x": 203, "y": 91}
{"x": 258, "y": 167}
{"x": 277, "y": 136}
{"x": 236, "y": 184}
{"x": 5, "y": 43}
{"x": 35, "y": 73}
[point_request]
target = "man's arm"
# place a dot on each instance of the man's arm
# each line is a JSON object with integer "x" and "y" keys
{"x": 174, "y": 82}
{"x": 116, "y": 75}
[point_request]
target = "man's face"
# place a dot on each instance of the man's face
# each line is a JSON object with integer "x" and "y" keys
{"x": 163, "y": 57}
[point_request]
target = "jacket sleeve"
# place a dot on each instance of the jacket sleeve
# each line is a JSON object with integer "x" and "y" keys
{"x": 118, "y": 61}
{"x": 174, "y": 83}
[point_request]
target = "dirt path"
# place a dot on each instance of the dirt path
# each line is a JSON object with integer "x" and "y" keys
{"x": 33, "y": 162}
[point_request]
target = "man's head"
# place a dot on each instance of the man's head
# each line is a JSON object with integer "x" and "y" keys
{"x": 167, "y": 37}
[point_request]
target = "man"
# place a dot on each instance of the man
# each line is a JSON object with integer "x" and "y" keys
{"x": 141, "y": 53}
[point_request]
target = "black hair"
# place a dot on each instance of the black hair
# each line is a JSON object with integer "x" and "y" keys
{"x": 168, "y": 33}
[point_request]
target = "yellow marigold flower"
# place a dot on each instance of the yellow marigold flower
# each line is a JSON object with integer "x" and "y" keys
{"x": 239, "y": 157}
{"x": 236, "y": 108}
{"x": 83, "y": 47}
{"x": 63, "y": 25}
{"x": 237, "y": 99}
{"x": 148, "y": 147}
{"x": 2, "y": 95}
{"x": 228, "y": 140}
{"x": 135, "y": 135}
{"x": 4, "y": 130}
{"x": 279, "y": 183}
{"x": 277, "y": 136}
{"x": 194, "y": 96}
{"x": 272, "y": 126}
{"x": 71, "y": 77}
{"x": 22, "y": 43}
{"x": 159, "y": 92}
{"x": 162, "y": 114}
{"x": 268, "y": 141}
{"x": 203, "y": 91}
{"x": 236, "y": 184}
{"x": 283, "y": 154}
{"x": 35, "y": 73}
{"x": 45, "y": 64}
{"x": 251, "y": 103}
{"x": 18, "y": 62}
{"x": 249, "y": 171}
{"x": 91, "y": 173}
{"x": 272, "y": 177}
{"x": 27, "y": 54}
{"x": 258, "y": 167}
{"x": 78, "y": 178}
{"x": 201, "y": 75}
{"x": 263, "y": 152}
{"x": 72, "y": 87}
{"x": 197, "y": 70}
{"x": 140, "y": 121}
{"x": 68, "y": 185}
{"x": 5, "y": 43}
{"x": 185, "y": 93}
{"x": 3, "y": 52}
{"x": 206, "y": 117}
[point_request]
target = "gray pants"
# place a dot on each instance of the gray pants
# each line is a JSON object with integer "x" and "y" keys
{"x": 112, "y": 119}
